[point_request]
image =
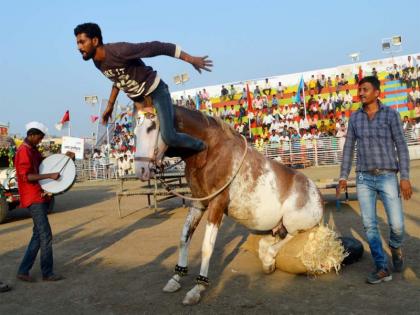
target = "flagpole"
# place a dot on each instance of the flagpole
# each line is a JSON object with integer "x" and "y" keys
{"x": 69, "y": 128}
{"x": 303, "y": 91}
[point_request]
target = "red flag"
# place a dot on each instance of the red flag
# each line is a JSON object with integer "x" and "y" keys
{"x": 94, "y": 118}
{"x": 360, "y": 75}
{"x": 63, "y": 121}
{"x": 249, "y": 99}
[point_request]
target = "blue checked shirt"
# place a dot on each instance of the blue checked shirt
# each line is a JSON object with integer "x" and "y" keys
{"x": 379, "y": 142}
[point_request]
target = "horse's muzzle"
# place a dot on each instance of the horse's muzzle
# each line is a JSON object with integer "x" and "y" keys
{"x": 144, "y": 172}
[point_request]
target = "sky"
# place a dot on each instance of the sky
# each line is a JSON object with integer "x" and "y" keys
{"x": 43, "y": 74}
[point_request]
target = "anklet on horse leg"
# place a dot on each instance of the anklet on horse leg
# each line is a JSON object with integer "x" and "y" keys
{"x": 181, "y": 271}
{"x": 202, "y": 280}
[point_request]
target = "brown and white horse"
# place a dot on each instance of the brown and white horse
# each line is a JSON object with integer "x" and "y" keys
{"x": 264, "y": 195}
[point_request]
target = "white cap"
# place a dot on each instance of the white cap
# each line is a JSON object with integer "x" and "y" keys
{"x": 37, "y": 125}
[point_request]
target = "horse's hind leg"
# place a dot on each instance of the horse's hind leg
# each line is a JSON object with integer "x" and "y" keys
{"x": 195, "y": 213}
{"x": 269, "y": 247}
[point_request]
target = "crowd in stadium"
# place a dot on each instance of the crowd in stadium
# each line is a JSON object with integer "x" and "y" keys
{"x": 328, "y": 106}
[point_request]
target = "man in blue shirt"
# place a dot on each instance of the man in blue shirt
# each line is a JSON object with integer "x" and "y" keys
{"x": 381, "y": 153}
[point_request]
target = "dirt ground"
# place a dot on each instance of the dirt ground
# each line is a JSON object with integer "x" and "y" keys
{"x": 119, "y": 266}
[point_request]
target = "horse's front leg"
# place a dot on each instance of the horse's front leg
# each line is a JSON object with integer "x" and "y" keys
{"x": 215, "y": 215}
{"x": 195, "y": 213}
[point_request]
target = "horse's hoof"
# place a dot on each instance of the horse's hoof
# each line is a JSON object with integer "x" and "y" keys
{"x": 172, "y": 286}
{"x": 268, "y": 266}
{"x": 194, "y": 295}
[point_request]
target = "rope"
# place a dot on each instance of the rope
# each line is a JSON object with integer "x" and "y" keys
{"x": 216, "y": 192}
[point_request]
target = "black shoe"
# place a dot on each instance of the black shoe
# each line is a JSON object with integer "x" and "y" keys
{"x": 397, "y": 259}
{"x": 4, "y": 287}
{"x": 379, "y": 276}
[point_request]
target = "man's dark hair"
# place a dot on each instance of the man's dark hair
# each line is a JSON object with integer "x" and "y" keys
{"x": 34, "y": 131}
{"x": 372, "y": 80}
{"x": 90, "y": 29}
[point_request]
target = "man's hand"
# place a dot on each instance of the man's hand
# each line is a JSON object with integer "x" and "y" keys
{"x": 405, "y": 187}
{"x": 201, "y": 63}
{"x": 342, "y": 185}
{"x": 107, "y": 114}
{"x": 71, "y": 155}
{"x": 54, "y": 176}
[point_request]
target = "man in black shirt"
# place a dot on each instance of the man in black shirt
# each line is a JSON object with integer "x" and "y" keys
{"x": 122, "y": 64}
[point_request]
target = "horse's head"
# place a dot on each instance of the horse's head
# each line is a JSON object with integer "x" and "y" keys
{"x": 150, "y": 147}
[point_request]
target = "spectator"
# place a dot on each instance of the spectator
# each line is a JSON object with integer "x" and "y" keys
{"x": 205, "y": 95}
{"x": 225, "y": 113}
{"x": 267, "y": 87}
{"x": 407, "y": 125}
{"x": 217, "y": 112}
{"x": 258, "y": 102}
{"x": 224, "y": 94}
{"x": 232, "y": 92}
{"x": 268, "y": 119}
{"x": 274, "y": 137}
{"x": 414, "y": 95}
{"x": 321, "y": 83}
{"x": 274, "y": 101}
{"x": 280, "y": 90}
{"x": 374, "y": 72}
{"x": 265, "y": 102}
{"x": 347, "y": 100}
{"x": 232, "y": 112}
{"x": 257, "y": 92}
{"x": 417, "y": 109}
{"x": 341, "y": 135}
{"x": 312, "y": 83}
{"x": 304, "y": 123}
{"x": 394, "y": 74}
{"x": 342, "y": 81}
{"x": 329, "y": 82}
{"x": 413, "y": 77}
{"x": 242, "y": 112}
{"x": 244, "y": 94}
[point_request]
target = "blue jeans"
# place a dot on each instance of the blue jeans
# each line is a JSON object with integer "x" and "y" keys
{"x": 387, "y": 187}
{"x": 163, "y": 103}
{"x": 41, "y": 238}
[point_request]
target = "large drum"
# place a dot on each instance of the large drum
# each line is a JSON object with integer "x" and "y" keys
{"x": 58, "y": 163}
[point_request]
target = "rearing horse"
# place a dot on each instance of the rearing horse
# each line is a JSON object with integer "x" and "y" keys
{"x": 262, "y": 194}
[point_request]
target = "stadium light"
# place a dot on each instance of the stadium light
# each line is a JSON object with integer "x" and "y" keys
{"x": 181, "y": 79}
{"x": 392, "y": 45}
{"x": 91, "y": 99}
{"x": 355, "y": 56}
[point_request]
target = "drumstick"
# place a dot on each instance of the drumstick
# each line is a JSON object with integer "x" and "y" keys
{"x": 58, "y": 162}
{"x": 68, "y": 159}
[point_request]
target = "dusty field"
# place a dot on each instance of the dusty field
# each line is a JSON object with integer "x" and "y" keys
{"x": 119, "y": 266}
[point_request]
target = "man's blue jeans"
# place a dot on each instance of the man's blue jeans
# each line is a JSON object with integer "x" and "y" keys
{"x": 163, "y": 103}
{"x": 41, "y": 238}
{"x": 387, "y": 187}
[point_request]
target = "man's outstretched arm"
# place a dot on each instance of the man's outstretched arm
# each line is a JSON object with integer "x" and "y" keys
{"x": 199, "y": 63}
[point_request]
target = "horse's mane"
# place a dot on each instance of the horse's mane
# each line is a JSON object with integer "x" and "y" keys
{"x": 203, "y": 119}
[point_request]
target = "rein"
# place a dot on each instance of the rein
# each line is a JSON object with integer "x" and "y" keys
{"x": 173, "y": 192}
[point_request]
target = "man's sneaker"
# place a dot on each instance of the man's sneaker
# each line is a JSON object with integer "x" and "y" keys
{"x": 397, "y": 259}
{"x": 379, "y": 276}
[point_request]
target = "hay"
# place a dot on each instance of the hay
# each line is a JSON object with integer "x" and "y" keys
{"x": 322, "y": 252}
{"x": 313, "y": 252}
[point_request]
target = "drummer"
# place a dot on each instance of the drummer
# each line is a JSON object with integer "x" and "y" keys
{"x": 27, "y": 162}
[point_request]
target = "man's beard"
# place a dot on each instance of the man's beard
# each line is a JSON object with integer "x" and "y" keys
{"x": 89, "y": 55}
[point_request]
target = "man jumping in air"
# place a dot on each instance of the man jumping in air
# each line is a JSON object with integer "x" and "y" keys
{"x": 122, "y": 64}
